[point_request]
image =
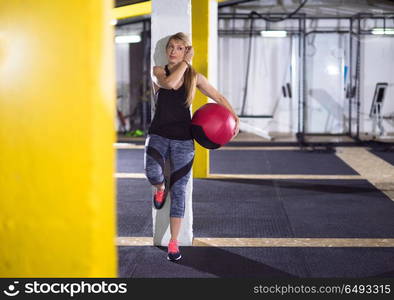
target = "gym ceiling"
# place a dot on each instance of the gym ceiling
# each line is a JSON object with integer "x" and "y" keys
{"x": 318, "y": 8}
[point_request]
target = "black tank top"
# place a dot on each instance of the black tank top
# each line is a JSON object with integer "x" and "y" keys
{"x": 172, "y": 118}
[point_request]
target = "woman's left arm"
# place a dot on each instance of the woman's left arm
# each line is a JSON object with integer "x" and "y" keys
{"x": 208, "y": 90}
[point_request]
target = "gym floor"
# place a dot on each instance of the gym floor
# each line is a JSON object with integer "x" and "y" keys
{"x": 269, "y": 209}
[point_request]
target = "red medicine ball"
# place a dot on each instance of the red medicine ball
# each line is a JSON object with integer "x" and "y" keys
{"x": 213, "y": 125}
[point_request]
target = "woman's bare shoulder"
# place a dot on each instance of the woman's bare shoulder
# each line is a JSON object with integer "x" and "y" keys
{"x": 200, "y": 78}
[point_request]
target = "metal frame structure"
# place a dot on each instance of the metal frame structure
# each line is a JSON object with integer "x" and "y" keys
{"x": 354, "y": 98}
{"x": 301, "y": 31}
{"x": 303, "y": 132}
{"x": 146, "y": 82}
{"x": 353, "y": 89}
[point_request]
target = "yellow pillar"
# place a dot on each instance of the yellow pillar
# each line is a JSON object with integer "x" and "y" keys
{"x": 200, "y": 36}
{"x": 57, "y": 204}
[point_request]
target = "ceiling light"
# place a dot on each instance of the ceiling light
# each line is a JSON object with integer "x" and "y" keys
{"x": 383, "y": 31}
{"x": 332, "y": 70}
{"x": 273, "y": 33}
{"x": 129, "y": 39}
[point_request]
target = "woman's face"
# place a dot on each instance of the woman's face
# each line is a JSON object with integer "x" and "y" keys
{"x": 175, "y": 51}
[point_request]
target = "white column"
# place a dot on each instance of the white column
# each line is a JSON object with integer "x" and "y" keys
{"x": 213, "y": 44}
{"x": 169, "y": 17}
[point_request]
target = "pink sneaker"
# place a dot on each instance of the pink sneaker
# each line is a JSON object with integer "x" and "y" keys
{"x": 173, "y": 251}
{"x": 159, "y": 198}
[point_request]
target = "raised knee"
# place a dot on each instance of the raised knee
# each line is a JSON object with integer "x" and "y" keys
{"x": 154, "y": 179}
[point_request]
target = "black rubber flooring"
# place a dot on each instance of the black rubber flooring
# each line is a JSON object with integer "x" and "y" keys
{"x": 268, "y": 208}
{"x": 387, "y": 155}
{"x": 134, "y": 207}
{"x": 249, "y": 262}
{"x": 277, "y": 162}
{"x": 130, "y": 161}
{"x": 252, "y": 162}
{"x": 262, "y": 208}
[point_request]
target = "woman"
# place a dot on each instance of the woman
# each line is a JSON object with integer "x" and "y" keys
{"x": 170, "y": 134}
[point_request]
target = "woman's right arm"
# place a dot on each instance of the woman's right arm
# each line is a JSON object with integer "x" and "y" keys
{"x": 171, "y": 81}
{"x": 176, "y": 76}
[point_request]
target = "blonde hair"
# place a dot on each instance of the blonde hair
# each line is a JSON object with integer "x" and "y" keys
{"x": 190, "y": 76}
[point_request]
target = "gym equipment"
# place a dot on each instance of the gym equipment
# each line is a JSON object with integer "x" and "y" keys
{"x": 376, "y": 107}
{"x": 213, "y": 126}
